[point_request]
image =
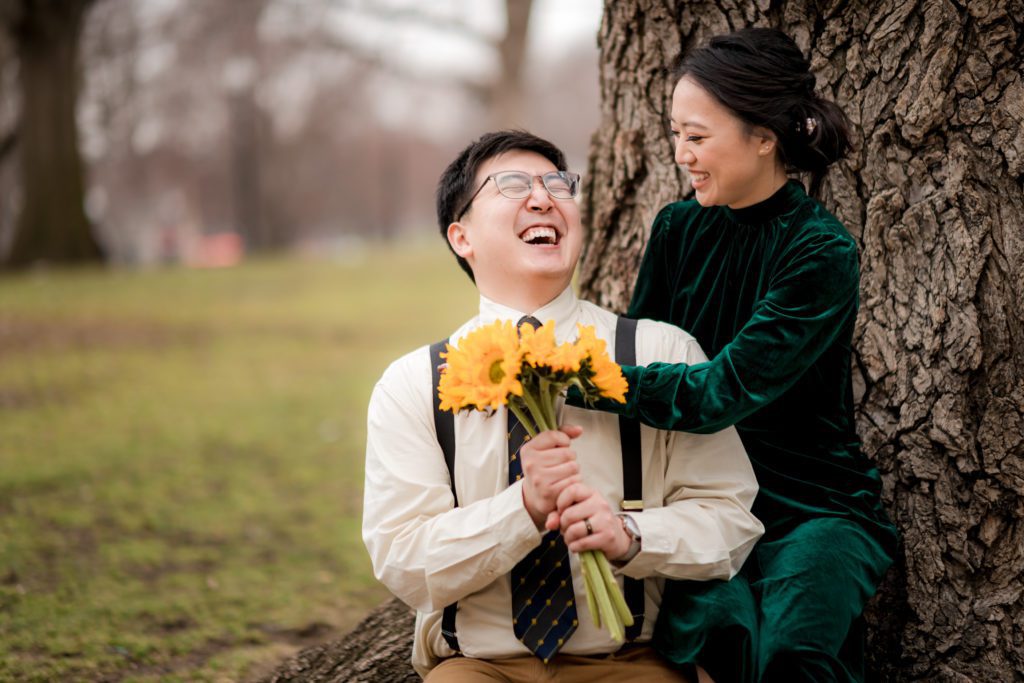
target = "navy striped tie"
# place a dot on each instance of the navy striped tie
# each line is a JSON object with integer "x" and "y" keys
{"x": 543, "y": 599}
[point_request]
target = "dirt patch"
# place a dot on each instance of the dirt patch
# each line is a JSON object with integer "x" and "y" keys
{"x": 37, "y": 395}
{"x": 20, "y": 334}
{"x": 302, "y": 636}
{"x": 150, "y": 573}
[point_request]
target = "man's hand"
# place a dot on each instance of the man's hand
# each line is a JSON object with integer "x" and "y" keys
{"x": 549, "y": 465}
{"x": 580, "y": 506}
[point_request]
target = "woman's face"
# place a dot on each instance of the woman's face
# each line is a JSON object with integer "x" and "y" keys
{"x": 728, "y": 163}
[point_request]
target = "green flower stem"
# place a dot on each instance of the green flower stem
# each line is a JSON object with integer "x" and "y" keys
{"x": 536, "y": 411}
{"x": 542, "y": 401}
{"x": 608, "y": 614}
{"x": 613, "y": 590}
{"x": 588, "y": 582}
{"x": 524, "y": 419}
{"x": 554, "y": 390}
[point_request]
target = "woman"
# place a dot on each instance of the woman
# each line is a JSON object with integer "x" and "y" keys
{"x": 767, "y": 280}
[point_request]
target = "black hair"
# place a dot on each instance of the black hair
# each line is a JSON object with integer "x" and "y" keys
{"x": 456, "y": 186}
{"x": 764, "y": 79}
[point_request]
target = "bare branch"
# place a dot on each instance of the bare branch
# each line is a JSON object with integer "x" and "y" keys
{"x": 373, "y": 60}
{"x": 414, "y": 14}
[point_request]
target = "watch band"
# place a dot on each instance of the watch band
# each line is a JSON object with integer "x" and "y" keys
{"x": 632, "y": 530}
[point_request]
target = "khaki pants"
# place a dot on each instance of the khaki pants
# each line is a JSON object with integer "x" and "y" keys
{"x": 639, "y": 664}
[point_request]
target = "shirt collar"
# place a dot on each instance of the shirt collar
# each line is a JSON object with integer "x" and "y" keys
{"x": 563, "y": 309}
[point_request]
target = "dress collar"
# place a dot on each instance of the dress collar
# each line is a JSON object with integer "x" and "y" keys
{"x": 563, "y": 309}
{"x": 785, "y": 199}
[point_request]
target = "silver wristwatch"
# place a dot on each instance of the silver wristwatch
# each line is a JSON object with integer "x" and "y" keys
{"x": 632, "y": 530}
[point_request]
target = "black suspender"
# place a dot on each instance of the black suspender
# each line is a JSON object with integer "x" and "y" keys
{"x": 444, "y": 424}
{"x": 632, "y": 469}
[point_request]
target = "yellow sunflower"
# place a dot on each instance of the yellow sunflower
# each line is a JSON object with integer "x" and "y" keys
{"x": 537, "y": 344}
{"x": 607, "y": 375}
{"x": 541, "y": 351}
{"x": 483, "y": 370}
{"x": 608, "y": 378}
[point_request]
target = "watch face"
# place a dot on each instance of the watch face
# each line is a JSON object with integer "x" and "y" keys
{"x": 631, "y": 526}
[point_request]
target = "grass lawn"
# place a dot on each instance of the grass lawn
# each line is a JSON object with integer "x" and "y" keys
{"x": 181, "y": 458}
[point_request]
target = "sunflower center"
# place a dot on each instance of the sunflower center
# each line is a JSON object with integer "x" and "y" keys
{"x": 496, "y": 373}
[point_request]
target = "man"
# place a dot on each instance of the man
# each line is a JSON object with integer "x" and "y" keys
{"x": 506, "y": 206}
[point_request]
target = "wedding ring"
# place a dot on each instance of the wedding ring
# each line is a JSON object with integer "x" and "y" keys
{"x": 590, "y": 529}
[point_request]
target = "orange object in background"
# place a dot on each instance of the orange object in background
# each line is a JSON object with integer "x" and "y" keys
{"x": 218, "y": 250}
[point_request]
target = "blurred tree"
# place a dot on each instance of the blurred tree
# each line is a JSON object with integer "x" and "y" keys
{"x": 52, "y": 225}
{"x": 507, "y": 103}
{"x": 503, "y": 93}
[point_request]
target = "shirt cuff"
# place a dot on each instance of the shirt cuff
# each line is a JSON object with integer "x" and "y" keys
{"x": 654, "y": 548}
{"x": 511, "y": 519}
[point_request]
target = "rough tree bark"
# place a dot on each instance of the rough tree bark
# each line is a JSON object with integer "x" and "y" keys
{"x": 935, "y": 194}
{"x": 378, "y": 649}
{"x": 52, "y": 225}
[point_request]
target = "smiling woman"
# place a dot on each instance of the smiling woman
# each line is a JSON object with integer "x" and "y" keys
{"x": 766, "y": 279}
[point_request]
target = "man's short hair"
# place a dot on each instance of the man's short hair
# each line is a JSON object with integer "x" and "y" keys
{"x": 457, "y": 183}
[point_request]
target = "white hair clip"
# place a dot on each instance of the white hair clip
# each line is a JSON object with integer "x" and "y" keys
{"x": 810, "y": 124}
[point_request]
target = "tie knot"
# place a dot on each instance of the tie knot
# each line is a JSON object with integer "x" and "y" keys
{"x": 528, "y": 319}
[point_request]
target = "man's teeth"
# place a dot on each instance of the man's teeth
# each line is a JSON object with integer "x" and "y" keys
{"x": 698, "y": 176}
{"x": 540, "y": 235}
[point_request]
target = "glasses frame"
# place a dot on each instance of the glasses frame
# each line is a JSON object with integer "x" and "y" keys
{"x": 573, "y": 178}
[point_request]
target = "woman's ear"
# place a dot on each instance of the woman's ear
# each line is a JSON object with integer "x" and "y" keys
{"x": 459, "y": 239}
{"x": 765, "y": 141}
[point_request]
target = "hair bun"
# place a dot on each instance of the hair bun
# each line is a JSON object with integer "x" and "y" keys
{"x": 764, "y": 79}
{"x": 809, "y": 81}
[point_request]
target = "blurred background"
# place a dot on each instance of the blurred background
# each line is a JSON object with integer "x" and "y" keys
{"x": 216, "y": 231}
{"x": 213, "y": 128}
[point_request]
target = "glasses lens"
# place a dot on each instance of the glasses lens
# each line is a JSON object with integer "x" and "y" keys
{"x": 513, "y": 184}
{"x": 562, "y": 185}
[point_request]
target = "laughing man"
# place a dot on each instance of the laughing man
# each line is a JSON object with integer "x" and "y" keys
{"x": 471, "y": 542}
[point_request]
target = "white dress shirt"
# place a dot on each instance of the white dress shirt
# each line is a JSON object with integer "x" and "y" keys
{"x": 697, "y": 489}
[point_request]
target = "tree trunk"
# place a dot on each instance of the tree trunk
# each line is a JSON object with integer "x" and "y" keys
{"x": 52, "y": 225}
{"x": 506, "y": 96}
{"x": 935, "y": 194}
{"x": 378, "y": 649}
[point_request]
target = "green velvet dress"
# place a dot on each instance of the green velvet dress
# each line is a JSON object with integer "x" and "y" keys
{"x": 770, "y": 292}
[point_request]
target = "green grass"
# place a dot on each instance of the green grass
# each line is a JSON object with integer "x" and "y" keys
{"x": 181, "y": 458}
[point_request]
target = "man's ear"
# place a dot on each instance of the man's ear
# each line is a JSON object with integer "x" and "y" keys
{"x": 459, "y": 240}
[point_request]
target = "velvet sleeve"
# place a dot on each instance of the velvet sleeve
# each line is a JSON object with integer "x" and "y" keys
{"x": 811, "y": 295}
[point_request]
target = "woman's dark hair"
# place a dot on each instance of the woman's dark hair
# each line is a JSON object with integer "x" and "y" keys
{"x": 764, "y": 79}
{"x": 455, "y": 187}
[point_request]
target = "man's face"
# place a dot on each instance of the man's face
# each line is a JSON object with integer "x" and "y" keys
{"x": 516, "y": 243}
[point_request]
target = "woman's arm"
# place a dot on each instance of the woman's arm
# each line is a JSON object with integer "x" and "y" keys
{"x": 810, "y": 299}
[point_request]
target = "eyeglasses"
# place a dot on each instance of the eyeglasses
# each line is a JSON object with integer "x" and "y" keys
{"x": 519, "y": 185}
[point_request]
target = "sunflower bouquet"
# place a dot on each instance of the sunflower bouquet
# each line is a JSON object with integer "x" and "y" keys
{"x": 526, "y": 370}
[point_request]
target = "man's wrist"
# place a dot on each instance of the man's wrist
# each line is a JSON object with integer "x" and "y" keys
{"x": 538, "y": 518}
{"x": 632, "y": 530}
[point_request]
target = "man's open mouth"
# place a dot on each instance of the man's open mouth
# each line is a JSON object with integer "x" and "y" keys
{"x": 540, "y": 235}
